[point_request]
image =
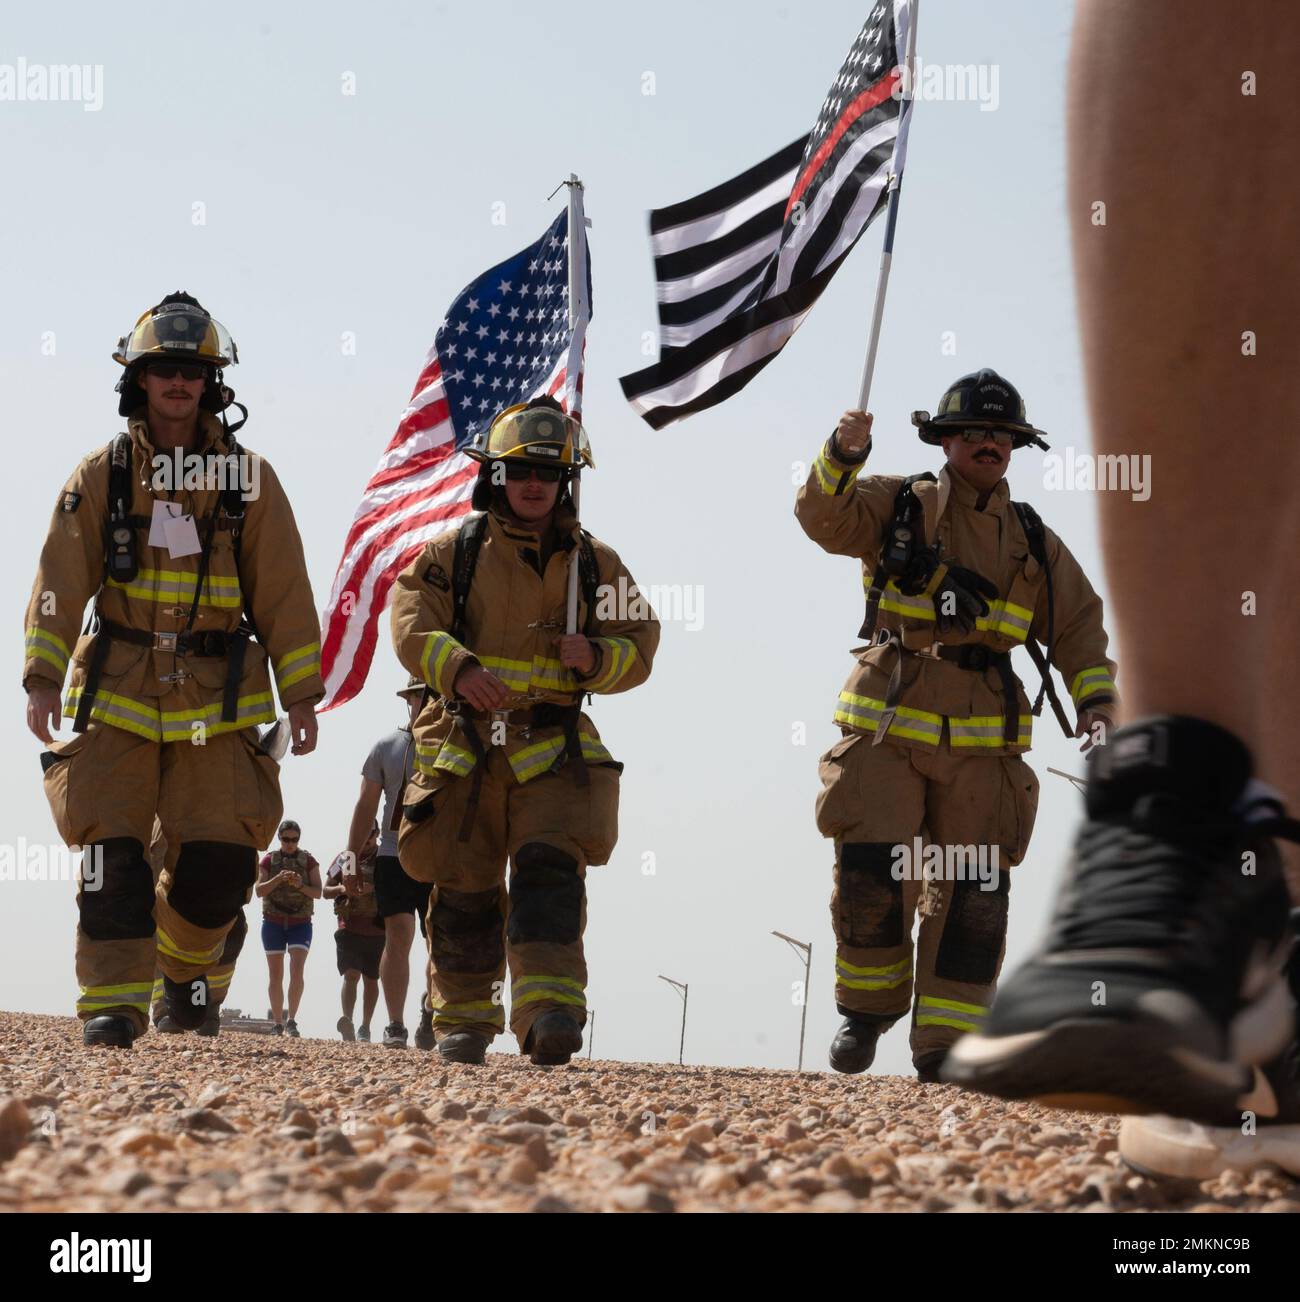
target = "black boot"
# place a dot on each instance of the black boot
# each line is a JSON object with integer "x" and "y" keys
{"x": 178, "y": 1002}
{"x": 112, "y": 1030}
{"x": 463, "y": 1046}
{"x": 1170, "y": 927}
{"x": 553, "y": 1039}
{"x": 927, "y": 1067}
{"x": 854, "y": 1045}
{"x": 424, "y": 1032}
{"x": 211, "y": 1022}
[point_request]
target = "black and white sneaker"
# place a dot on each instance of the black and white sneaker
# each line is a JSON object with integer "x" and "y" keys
{"x": 1266, "y": 1134}
{"x": 1161, "y": 980}
{"x": 394, "y": 1036}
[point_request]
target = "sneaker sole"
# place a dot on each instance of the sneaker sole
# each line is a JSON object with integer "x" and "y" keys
{"x": 346, "y": 1030}
{"x": 1185, "y": 1150}
{"x": 1100, "y": 1067}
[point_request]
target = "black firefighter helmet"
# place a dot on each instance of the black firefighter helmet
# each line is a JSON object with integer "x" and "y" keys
{"x": 981, "y": 400}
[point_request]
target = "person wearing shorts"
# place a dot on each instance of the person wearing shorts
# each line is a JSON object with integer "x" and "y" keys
{"x": 398, "y": 897}
{"x": 288, "y": 884}
{"x": 359, "y": 940}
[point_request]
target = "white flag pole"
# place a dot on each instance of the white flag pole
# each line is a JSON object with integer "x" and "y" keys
{"x": 579, "y": 312}
{"x": 891, "y": 220}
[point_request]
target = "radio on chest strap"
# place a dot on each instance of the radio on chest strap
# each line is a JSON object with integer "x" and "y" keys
{"x": 122, "y": 564}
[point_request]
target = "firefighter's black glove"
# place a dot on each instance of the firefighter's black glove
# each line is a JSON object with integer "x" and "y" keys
{"x": 960, "y": 596}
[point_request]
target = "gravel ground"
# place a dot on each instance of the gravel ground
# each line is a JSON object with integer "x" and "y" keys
{"x": 250, "y": 1123}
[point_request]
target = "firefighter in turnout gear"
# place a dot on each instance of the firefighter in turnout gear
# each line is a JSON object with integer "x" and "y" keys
{"x": 926, "y": 795}
{"x": 188, "y": 546}
{"x": 509, "y": 769}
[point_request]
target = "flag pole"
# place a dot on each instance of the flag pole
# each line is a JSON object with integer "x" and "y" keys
{"x": 578, "y": 314}
{"x": 891, "y": 220}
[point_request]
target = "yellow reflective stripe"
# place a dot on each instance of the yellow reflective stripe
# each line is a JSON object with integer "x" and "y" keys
{"x": 990, "y": 741}
{"x": 200, "y": 957}
{"x": 873, "y": 983}
{"x": 833, "y": 478}
{"x": 448, "y": 757}
{"x": 916, "y": 725}
{"x": 171, "y": 585}
{"x": 579, "y": 1001}
{"x": 620, "y": 656}
{"x": 134, "y": 995}
{"x": 220, "y": 980}
{"x": 926, "y": 1019}
{"x": 174, "y": 725}
{"x": 532, "y": 761}
{"x": 537, "y": 758}
{"x": 516, "y": 674}
{"x": 1088, "y": 681}
{"x": 571, "y": 982}
{"x": 45, "y": 645}
{"x": 178, "y": 725}
{"x": 552, "y": 675}
{"x": 845, "y": 966}
{"x": 120, "y": 712}
{"x": 297, "y": 665}
{"x": 953, "y": 1005}
{"x": 437, "y": 651}
{"x": 481, "y": 1010}
{"x": 900, "y": 603}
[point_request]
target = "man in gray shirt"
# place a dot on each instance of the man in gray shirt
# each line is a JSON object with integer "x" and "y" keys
{"x": 401, "y": 900}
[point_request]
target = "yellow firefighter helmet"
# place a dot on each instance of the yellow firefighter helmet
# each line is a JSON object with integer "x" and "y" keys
{"x": 540, "y": 432}
{"x": 177, "y": 327}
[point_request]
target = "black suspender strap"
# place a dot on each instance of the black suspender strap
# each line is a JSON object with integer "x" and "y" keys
{"x": 1036, "y": 537}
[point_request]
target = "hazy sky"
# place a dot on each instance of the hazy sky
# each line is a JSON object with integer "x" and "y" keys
{"x": 326, "y": 213}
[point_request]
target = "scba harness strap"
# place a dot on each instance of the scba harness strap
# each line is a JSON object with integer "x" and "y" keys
{"x": 1036, "y": 536}
{"x": 469, "y": 541}
{"x": 896, "y": 549}
{"x": 122, "y": 564}
{"x": 904, "y": 533}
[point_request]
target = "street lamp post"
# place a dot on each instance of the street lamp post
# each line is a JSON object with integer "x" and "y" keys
{"x": 684, "y": 991}
{"x": 803, "y": 948}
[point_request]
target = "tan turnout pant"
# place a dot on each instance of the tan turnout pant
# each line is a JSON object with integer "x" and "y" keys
{"x": 928, "y": 831}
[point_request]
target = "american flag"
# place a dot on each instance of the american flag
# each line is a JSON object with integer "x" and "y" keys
{"x": 739, "y": 267}
{"x": 506, "y": 338}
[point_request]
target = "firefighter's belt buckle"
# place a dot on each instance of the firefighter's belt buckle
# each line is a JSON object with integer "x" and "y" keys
{"x": 178, "y": 677}
{"x": 165, "y": 642}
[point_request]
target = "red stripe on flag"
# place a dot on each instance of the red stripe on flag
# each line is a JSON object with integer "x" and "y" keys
{"x": 365, "y": 648}
{"x": 868, "y": 100}
{"x": 338, "y": 623}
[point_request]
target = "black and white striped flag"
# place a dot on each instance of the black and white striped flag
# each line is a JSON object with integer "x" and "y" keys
{"x": 739, "y": 267}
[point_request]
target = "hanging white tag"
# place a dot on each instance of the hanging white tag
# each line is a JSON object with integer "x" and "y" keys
{"x": 162, "y": 512}
{"x": 182, "y": 536}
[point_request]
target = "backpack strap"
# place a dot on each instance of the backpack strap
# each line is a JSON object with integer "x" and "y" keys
{"x": 122, "y": 555}
{"x": 588, "y": 579}
{"x": 900, "y": 538}
{"x": 1036, "y": 536}
{"x": 469, "y": 539}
